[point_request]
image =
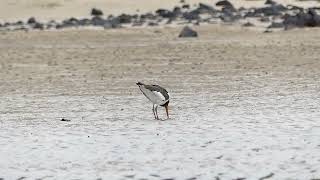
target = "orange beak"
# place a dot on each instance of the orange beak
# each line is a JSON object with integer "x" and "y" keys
{"x": 167, "y": 111}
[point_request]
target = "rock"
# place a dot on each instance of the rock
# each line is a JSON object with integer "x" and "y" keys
{"x": 192, "y": 15}
{"x": 186, "y": 6}
{"x": 252, "y": 13}
{"x": 276, "y": 25}
{"x": 112, "y": 23}
{"x": 265, "y": 19}
{"x": 224, "y": 3}
{"x": 39, "y": 26}
{"x": 188, "y": 32}
{"x": 302, "y": 19}
{"x": 63, "y": 119}
{"x": 165, "y": 13}
{"x": 226, "y": 6}
{"x": 267, "y": 176}
{"x": 204, "y": 8}
{"x": 273, "y": 10}
{"x": 6, "y": 24}
{"x": 177, "y": 10}
{"x": 315, "y": 21}
{"x": 72, "y": 22}
{"x": 271, "y": 2}
{"x": 124, "y": 18}
{"x": 96, "y": 12}
{"x": 153, "y": 24}
{"x": 18, "y": 23}
{"x": 228, "y": 15}
{"x": 267, "y": 31}
{"x": 227, "y": 18}
{"x": 84, "y": 22}
{"x": 148, "y": 16}
{"x": 294, "y": 8}
{"x": 248, "y": 24}
{"x": 138, "y": 23}
{"x": 31, "y": 20}
{"x": 98, "y": 21}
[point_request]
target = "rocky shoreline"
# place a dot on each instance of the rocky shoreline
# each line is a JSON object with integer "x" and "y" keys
{"x": 270, "y": 17}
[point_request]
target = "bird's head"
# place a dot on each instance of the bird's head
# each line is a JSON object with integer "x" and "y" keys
{"x": 166, "y": 105}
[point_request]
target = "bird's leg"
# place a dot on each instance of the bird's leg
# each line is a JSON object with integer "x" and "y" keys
{"x": 156, "y": 109}
{"x": 154, "y": 114}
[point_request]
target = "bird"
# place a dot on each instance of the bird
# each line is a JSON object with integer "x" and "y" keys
{"x": 158, "y": 95}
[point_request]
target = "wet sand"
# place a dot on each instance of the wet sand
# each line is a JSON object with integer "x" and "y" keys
{"x": 245, "y": 104}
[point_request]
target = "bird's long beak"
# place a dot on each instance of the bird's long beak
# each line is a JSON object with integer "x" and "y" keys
{"x": 167, "y": 111}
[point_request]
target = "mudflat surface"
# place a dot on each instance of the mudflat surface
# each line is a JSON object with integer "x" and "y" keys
{"x": 244, "y": 104}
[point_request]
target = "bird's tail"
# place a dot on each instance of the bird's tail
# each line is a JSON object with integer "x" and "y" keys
{"x": 139, "y": 83}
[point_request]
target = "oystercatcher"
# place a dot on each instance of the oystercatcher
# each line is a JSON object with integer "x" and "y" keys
{"x": 157, "y": 95}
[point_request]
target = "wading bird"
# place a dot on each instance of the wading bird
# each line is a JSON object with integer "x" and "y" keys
{"x": 157, "y": 95}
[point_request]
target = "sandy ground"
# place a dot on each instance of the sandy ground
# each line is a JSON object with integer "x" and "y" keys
{"x": 13, "y": 10}
{"x": 244, "y": 104}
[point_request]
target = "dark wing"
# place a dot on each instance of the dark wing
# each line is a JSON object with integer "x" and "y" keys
{"x": 159, "y": 89}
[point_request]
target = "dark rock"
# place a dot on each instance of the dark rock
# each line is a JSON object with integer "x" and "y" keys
{"x": 21, "y": 178}
{"x": 227, "y": 18}
{"x": 165, "y": 13}
{"x": 224, "y": 3}
{"x": 19, "y": 23}
{"x": 148, "y": 16}
{"x": 252, "y": 13}
{"x": 177, "y": 10}
{"x": 226, "y": 6}
{"x": 192, "y": 178}
{"x": 248, "y": 24}
{"x": 271, "y": 2}
{"x": 276, "y": 25}
{"x": 315, "y": 22}
{"x": 134, "y": 16}
{"x": 138, "y": 23}
{"x": 228, "y": 15}
{"x": 153, "y": 24}
{"x": 70, "y": 22}
{"x": 265, "y": 19}
{"x": 124, "y": 18}
{"x": 63, "y": 119}
{"x": 59, "y": 26}
{"x": 98, "y": 21}
{"x": 32, "y": 20}
{"x": 267, "y": 176}
{"x": 192, "y": 15}
{"x": 169, "y": 21}
{"x": 84, "y": 22}
{"x": 182, "y": 1}
{"x": 294, "y": 8}
{"x": 186, "y": 6}
{"x": 204, "y": 8}
{"x": 188, "y": 32}
{"x": 6, "y": 24}
{"x": 96, "y": 12}
{"x": 302, "y": 19}
{"x": 273, "y": 10}
{"x": 112, "y": 23}
{"x": 39, "y": 26}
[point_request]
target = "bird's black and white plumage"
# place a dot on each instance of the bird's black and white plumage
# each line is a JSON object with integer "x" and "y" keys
{"x": 157, "y": 95}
